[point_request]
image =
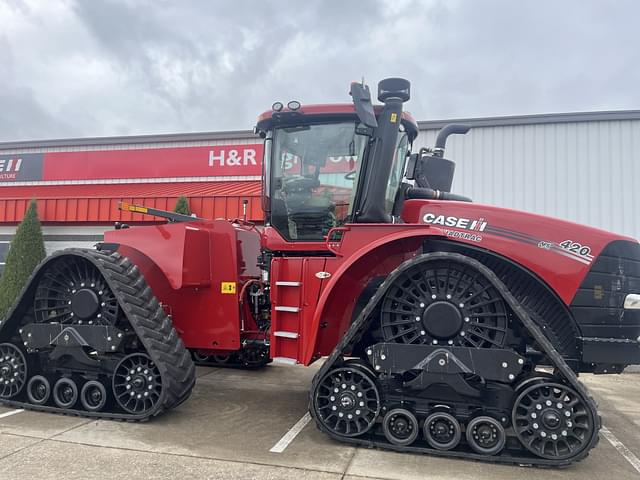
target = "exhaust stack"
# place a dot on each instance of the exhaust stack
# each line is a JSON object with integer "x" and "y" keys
{"x": 393, "y": 92}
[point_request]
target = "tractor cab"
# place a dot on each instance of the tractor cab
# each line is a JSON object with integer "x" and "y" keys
{"x": 327, "y": 165}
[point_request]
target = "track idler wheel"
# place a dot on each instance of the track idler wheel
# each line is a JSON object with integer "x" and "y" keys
{"x": 38, "y": 390}
{"x": 552, "y": 421}
{"x": 93, "y": 396}
{"x": 65, "y": 393}
{"x": 137, "y": 384}
{"x": 442, "y": 431}
{"x": 346, "y": 401}
{"x": 13, "y": 370}
{"x": 400, "y": 427}
{"x": 485, "y": 435}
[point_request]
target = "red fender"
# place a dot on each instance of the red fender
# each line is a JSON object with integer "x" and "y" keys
{"x": 329, "y": 291}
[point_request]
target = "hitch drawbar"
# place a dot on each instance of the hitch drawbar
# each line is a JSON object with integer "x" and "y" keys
{"x": 171, "y": 216}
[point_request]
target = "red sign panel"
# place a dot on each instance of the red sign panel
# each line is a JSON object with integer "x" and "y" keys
{"x": 212, "y": 161}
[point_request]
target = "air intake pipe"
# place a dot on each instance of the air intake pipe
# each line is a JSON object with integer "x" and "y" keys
{"x": 432, "y": 194}
{"x": 443, "y": 134}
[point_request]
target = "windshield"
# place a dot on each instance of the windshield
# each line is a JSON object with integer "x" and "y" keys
{"x": 314, "y": 172}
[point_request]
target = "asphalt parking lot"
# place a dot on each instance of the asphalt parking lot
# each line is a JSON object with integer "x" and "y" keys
{"x": 235, "y": 418}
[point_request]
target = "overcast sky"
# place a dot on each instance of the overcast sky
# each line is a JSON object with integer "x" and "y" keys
{"x": 94, "y": 68}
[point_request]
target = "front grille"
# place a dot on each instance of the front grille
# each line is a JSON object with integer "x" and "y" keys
{"x": 598, "y": 305}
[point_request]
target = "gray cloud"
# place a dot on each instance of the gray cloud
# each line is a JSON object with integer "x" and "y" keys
{"x": 86, "y": 68}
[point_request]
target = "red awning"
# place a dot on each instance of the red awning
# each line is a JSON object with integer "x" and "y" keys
{"x": 98, "y": 203}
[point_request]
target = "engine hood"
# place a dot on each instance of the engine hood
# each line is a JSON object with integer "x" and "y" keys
{"x": 559, "y": 251}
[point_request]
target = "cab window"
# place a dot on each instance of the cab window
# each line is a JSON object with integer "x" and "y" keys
{"x": 314, "y": 172}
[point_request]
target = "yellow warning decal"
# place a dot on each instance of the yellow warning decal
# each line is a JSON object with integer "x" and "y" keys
{"x": 228, "y": 287}
{"x": 133, "y": 208}
{"x": 394, "y": 117}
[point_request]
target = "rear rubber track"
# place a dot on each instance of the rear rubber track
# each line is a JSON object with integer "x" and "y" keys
{"x": 367, "y": 316}
{"x": 147, "y": 318}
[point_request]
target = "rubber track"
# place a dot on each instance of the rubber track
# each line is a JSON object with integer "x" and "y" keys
{"x": 145, "y": 315}
{"x": 360, "y": 325}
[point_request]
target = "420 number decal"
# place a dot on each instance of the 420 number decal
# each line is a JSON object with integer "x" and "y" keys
{"x": 575, "y": 247}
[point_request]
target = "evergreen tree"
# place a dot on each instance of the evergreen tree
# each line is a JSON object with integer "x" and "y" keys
{"x": 25, "y": 253}
{"x": 182, "y": 206}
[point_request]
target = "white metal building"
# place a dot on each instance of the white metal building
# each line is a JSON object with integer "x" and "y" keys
{"x": 583, "y": 167}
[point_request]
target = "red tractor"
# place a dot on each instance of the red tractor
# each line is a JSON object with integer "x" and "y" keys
{"x": 451, "y": 328}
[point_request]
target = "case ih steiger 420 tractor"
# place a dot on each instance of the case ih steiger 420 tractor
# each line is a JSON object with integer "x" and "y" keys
{"x": 450, "y": 327}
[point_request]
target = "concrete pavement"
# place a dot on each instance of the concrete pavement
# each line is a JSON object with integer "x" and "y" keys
{"x": 234, "y": 418}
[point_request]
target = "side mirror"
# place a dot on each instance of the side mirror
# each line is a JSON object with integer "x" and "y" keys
{"x": 362, "y": 103}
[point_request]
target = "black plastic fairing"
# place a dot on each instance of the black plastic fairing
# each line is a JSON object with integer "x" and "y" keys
{"x": 598, "y": 305}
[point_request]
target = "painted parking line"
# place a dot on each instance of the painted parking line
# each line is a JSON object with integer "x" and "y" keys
{"x": 288, "y": 437}
{"x": 622, "y": 449}
{"x": 10, "y": 412}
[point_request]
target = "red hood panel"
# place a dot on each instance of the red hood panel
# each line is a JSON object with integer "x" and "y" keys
{"x": 558, "y": 251}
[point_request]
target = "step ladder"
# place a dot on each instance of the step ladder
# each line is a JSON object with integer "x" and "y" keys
{"x": 287, "y": 309}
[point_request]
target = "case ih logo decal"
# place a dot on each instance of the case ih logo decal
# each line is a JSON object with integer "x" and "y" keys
{"x": 456, "y": 222}
{"x": 18, "y": 168}
{"x": 9, "y": 168}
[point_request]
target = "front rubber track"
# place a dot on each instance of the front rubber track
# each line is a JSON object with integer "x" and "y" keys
{"x": 145, "y": 315}
{"x": 366, "y": 317}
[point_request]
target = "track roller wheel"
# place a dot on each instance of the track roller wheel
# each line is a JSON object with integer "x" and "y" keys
{"x": 38, "y": 390}
{"x": 200, "y": 357}
{"x": 65, "y": 393}
{"x": 137, "y": 385}
{"x": 485, "y": 435}
{"x": 13, "y": 370}
{"x": 442, "y": 431}
{"x": 552, "y": 421}
{"x": 400, "y": 427}
{"x": 221, "y": 359}
{"x": 346, "y": 401}
{"x": 93, "y": 396}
